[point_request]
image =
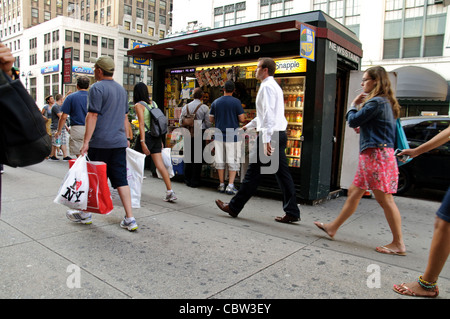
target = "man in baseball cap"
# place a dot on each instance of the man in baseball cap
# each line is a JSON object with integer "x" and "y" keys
{"x": 106, "y": 63}
{"x": 106, "y": 137}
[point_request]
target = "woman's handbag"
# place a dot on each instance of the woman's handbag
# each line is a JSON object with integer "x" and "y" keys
{"x": 23, "y": 135}
{"x": 401, "y": 141}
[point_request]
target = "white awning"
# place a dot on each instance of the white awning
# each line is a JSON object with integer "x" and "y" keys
{"x": 416, "y": 83}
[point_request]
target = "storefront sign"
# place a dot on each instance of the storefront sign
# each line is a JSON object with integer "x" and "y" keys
{"x": 80, "y": 69}
{"x": 50, "y": 69}
{"x": 232, "y": 52}
{"x": 307, "y": 43}
{"x": 290, "y": 66}
{"x": 178, "y": 71}
{"x": 343, "y": 52}
{"x": 67, "y": 65}
{"x": 137, "y": 60}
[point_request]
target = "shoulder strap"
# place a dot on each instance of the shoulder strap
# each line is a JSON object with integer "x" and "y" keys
{"x": 198, "y": 106}
{"x": 146, "y": 106}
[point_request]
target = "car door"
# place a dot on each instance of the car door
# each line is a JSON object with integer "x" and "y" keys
{"x": 431, "y": 168}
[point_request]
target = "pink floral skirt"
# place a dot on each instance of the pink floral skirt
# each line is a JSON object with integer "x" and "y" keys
{"x": 377, "y": 169}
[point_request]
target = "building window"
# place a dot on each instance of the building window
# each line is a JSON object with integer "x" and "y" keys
{"x": 68, "y": 36}
{"x": 34, "y": 13}
{"x": 55, "y": 36}
{"x": 87, "y": 56}
{"x": 76, "y": 37}
{"x": 76, "y": 54}
{"x": 151, "y": 31}
{"x": 413, "y": 29}
{"x": 87, "y": 39}
{"x": 33, "y": 59}
{"x": 230, "y": 14}
{"x": 346, "y": 12}
{"x": 47, "y": 38}
{"x": 55, "y": 54}
{"x": 151, "y": 5}
{"x": 140, "y": 13}
{"x": 33, "y": 43}
{"x": 47, "y": 85}
{"x": 55, "y": 83}
{"x": 94, "y": 40}
{"x": 127, "y": 10}
{"x": 127, "y": 25}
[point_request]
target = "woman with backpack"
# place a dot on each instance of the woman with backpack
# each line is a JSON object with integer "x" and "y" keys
{"x": 147, "y": 144}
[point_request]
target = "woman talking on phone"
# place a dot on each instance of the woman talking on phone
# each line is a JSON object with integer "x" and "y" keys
{"x": 373, "y": 115}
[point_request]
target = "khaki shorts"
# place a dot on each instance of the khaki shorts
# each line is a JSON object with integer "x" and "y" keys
{"x": 76, "y": 139}
{"x": 227, "y": 153}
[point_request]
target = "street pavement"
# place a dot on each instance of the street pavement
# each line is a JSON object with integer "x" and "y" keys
{"x": 191, "y": 250}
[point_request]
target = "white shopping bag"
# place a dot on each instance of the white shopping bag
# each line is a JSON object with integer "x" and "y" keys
{"x": 74, "y": 189}
{"x": 167, "y": 159}
{"x": 135, "y": 177}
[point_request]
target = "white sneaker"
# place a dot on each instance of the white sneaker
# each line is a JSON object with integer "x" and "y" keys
{"x": 77, "y": 216}
{"x": 170, "y": 197}
{"x": 231, "y": 190}
{"x": 221, "y": 188}
{"x": 131, "y": 226}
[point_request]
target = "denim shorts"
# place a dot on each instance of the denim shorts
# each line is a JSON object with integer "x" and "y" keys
{"x": 444, "y": 211}
{"x": 116, "y": 163}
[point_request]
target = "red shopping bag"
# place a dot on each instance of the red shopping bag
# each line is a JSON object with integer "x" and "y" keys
{"x": 99, "y": 199}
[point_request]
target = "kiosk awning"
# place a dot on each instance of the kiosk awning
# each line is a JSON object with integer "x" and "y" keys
{"x": 416, "y": 83}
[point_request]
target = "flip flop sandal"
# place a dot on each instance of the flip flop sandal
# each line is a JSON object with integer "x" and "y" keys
{"x": 321, "y": 227}
{"x": 389, "y": 251}
{"x": 408, "y": 292}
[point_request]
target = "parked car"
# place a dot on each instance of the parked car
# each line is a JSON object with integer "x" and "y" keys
{"x": 431, "y": 169}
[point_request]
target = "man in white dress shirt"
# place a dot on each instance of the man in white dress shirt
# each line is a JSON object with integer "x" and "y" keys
{"x": 270, "y": 123}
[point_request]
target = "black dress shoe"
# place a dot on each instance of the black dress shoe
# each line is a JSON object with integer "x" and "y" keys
{"x": 225, "y": 207}
{"x": 287, "y": 219}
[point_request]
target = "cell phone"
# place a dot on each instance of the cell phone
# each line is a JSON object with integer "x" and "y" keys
{"x": 402, "y": 158}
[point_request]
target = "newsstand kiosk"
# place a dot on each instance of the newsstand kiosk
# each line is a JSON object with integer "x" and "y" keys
{"x": 314, "y": 55}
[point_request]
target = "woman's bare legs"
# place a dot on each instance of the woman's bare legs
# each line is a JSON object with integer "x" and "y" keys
{"x": 159, "y": 164}
{"x": 439, "y": 252}
{"x": 394, "y": 220}
{"x": 354, "y": 195}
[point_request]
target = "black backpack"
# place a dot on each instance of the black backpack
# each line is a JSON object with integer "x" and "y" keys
{"x": 23, "y": 135}
{"x": 158, "y": 121}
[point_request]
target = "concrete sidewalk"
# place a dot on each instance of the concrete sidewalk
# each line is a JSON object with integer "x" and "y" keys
{"x": 190, "y": 249}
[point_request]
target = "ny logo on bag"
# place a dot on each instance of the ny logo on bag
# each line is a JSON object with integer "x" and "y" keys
{"x": 73, "y": 190}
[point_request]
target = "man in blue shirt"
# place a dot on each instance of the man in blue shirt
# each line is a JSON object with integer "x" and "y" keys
{"x": 106, "y": 136}
{"x": 226, "y": 112}
{"x": 75, "y": 106}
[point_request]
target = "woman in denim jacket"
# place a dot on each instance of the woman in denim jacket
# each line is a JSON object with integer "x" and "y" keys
{"x": 377, "y": 168}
